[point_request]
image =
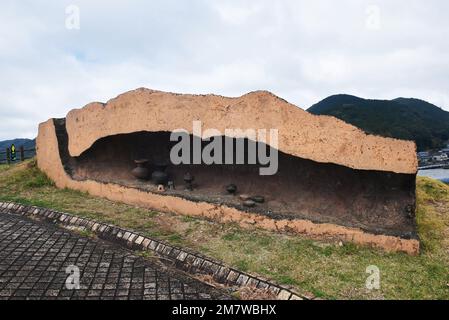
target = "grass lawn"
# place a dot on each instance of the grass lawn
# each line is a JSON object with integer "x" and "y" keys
{"x": 328, "y": 270}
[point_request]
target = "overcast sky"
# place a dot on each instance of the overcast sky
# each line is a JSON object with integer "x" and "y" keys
{"x": 302, "y": 51}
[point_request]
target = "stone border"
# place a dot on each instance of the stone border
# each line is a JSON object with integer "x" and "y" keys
{"x": 184, "y": 259}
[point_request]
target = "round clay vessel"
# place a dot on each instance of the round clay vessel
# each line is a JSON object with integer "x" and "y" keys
{"x": 159, "y": 177}
{"x": 188, "y": 179}
{"x": 141, "y": 172}
{"x": 232, "y": 188}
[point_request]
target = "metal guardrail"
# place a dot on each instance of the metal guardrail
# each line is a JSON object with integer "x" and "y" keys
{"x": 23, "y": 154}
{"x": 435, "y": 166}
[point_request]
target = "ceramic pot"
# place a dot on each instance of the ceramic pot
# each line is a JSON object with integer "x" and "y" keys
{"x": 159, "y": 177}
{"x": 232, "y": 188}
{"x": 188, "y": 179}
{"x": 141, "y": 172}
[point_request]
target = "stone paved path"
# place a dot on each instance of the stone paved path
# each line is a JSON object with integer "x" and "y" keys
{"x": 34, "y": 258}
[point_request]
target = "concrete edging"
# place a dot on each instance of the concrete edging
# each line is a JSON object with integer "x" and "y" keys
{"x": 184, "y": 259}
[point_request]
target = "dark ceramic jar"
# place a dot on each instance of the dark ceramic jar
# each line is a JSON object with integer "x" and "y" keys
{"x": 188, "y": 179}
{"x": 159, "y": 177}
{"x": 232, "y": 188}
{"x": 141, "y": 172}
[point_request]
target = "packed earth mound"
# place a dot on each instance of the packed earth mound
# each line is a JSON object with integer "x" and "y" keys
{"x": 330, "y": 179}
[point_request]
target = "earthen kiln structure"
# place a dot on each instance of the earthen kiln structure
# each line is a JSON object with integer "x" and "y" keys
{"x": 334, "y": 181}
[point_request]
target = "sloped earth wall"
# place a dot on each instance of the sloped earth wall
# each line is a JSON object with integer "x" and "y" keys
{"x": 321, "y": 139}
{"x": 320, "y": 200}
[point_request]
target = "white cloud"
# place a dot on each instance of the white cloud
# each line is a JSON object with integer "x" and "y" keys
{"x": 230, "y": 13}
{"x": 303, "y": 51}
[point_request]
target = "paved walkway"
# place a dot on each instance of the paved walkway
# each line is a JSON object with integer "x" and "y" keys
{"x": 34, "y": 258}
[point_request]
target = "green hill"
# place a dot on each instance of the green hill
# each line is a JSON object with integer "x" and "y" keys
{"x": 26, "y": 143}
{"x": 402, "y": 118}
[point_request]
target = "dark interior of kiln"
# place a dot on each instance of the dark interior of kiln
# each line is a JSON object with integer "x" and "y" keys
{"x": 378, "y": 202}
